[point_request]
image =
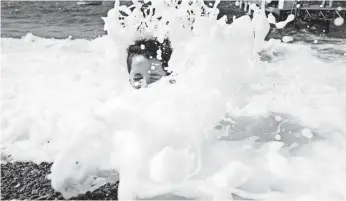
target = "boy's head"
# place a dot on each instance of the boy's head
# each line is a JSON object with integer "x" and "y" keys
{"x": 147, "y": 60}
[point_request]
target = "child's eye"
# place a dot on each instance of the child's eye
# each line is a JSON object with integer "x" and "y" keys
{"x": 155, "y": 76}
{"x": 137, "y": 77}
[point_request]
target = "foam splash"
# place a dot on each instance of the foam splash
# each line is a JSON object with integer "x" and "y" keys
{"x": 230, "y": 126}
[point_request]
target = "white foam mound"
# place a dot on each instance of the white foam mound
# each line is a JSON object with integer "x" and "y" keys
{"x": 231, "y": 126}
{"x": 287, "y": 39}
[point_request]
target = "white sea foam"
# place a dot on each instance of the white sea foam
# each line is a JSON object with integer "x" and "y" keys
{"x": 231, "y": 125}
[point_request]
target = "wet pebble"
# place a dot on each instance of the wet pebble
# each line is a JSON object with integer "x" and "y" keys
{"x": 27, "y": 180}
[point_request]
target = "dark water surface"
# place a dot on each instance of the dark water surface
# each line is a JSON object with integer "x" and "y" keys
{"x": 57, "y": 19}
{"x": 62, "y": 19}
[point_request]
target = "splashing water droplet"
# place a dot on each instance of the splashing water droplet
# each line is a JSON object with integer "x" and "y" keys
{"x": 287, "y": 39}
{"x": 271, "y": 18}
{"x": 278, "y": 118}
{"x": 290, "y": 18}
{"x": 278, "y": 137}
{"x": 282, "y": 24}
{"x": 339, "y": 21}
{"x": 159, "y": 54}
{"x": 307, "y": 133}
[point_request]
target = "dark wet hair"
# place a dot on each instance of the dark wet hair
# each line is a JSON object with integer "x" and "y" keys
{"x": 149, "y": 50}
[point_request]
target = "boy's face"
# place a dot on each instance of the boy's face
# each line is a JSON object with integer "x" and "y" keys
{"x": 145, "y": 71}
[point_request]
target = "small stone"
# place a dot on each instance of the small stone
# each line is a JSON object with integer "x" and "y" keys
{"x": 22, "y": 190}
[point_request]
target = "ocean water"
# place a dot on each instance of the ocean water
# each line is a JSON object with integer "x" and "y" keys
{"x": 246, "y": 118}
{"x": 60, "y": 19}
{"x": 63, "y": 19}
{"x": 52, "y": 19}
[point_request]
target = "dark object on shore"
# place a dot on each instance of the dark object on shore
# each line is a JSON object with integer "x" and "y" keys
{"x": 27, "y": 180}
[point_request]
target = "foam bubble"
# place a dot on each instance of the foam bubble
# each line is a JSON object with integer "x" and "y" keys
{"x": 278, "y": 118}
{"x": 287, "y": 39}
